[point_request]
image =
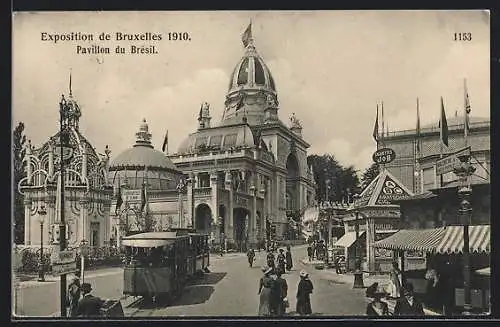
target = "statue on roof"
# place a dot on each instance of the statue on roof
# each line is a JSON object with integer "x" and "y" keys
{"x": 294, "y": 121}
{"x": 271, "y": 101}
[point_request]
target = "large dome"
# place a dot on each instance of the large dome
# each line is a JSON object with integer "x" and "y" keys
{"x": 142, "y": 163}
{"x": 251, "y": 89}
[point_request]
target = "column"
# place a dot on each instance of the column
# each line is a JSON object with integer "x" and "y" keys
{"x": 27, "y": 220}
{"x": 370, "y": 240}
{"x": 190, "y": 199}
{"x": 229, "y": 214}
{"x": 215, "y": 203}
{"x": 180, "y": 208}
{"x": 51, "y": 159}
{"x": 82, "y": 221}
{"x": 196, "y": 180}
{"x": 253, "y": 225}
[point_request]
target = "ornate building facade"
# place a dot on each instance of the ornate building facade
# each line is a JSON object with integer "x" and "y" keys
{"x": 87, "y": 196}
{"x": 249, "y": 168}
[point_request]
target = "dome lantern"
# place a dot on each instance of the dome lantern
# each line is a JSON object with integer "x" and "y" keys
{"x": 143, "y": 136}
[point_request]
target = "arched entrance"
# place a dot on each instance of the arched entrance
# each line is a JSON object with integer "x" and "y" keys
{"x": 292, "y": 183}
{"x": 203, "y": 218}
{"x": 241, "y": 227}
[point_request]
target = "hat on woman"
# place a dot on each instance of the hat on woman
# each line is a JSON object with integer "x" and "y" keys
{"x": 303, "y": 273}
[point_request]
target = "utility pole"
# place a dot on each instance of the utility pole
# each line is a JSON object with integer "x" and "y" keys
{"x": 62, "y": 222}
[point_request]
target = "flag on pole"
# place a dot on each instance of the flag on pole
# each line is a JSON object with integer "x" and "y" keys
{"x": 418, "y": 128}
{"x": 165, "y": 143}
{"x": 247, "y": 35}
{"x": 443, "y": 125}
{"x": 375, "y": 127}
{"x": 119, "y": 199}
{"x": 466, "y": 110}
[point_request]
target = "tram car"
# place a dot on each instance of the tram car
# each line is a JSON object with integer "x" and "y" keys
{"x": 158, "y": 264}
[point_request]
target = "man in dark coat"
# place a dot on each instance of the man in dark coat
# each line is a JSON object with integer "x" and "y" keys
{"x": 408, "y": 305}
{"x": 304, "y": 290}
{"x": 310, "y": 252}
{"x": 74, "y": 293}
{"x": 278, "y": 295}
{"x": 89, "y": 305}
{"x": 281, "y": 262}
{"x": 289, "y": 262}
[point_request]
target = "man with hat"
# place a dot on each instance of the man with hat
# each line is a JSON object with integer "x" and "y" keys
{"x": 376, "y": 307}
{"x": 89, "y": 305}
{"x": 408, "y": 305}
{"x": 74, "y": 293}
{"x": 304, "y": 290}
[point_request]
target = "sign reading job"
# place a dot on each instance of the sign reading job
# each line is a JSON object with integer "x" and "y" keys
{"x": 384, "y": 156}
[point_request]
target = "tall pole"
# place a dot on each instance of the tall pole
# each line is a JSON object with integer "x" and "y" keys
{"x": 41, "y": 275}
{"x": 464, "y": 171}
{"x": 358, "y": 274}
{"x": 62, "y": 223}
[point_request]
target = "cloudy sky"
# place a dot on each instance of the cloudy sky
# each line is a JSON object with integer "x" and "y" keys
{"x": 330, "y": 68}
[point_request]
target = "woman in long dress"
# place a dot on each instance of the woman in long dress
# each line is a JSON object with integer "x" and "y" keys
{"x": 304, "y": 291}
{"x": 395, "y": 283}
{"x": 265, "y": 286}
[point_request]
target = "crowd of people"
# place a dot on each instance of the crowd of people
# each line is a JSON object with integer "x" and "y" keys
{"x": 273, "y": 288}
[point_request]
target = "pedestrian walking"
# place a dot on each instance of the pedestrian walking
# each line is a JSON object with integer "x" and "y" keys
{"x": 281, "y": 261}
{"x": 394, "y": 281}
{"x": 288, "y": 257}
{"x": 251, "y": 257}
{"x": 89, "y": 305}
{"x": 304, "y": 291}
{"x": 279, "y": 295}
{"x": 408, "y": 305}
{"x": 265, "y": 286}
{"x": 270, "y": 260}
{"x": 433, "y": 291}
{"x": 74, "y": 293}
{"x": 376, "y": 308}
{"x": 310, "y": 252}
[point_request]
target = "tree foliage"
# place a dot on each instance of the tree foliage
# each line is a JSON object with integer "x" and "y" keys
{"x": 19, "y": 165}
{"x": 334, "y": 182}
{"x": 369, "y": 175}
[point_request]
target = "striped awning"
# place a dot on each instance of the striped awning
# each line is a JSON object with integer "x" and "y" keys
{"x": 348, "y": 239}
{"x": 311, "y": 214}
{"x": 412, "y": 240}
{"x": 484, "y": 272}
{"x": 453, "y": 240}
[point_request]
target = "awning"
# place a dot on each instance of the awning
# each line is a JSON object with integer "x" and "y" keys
{"x": 348, "y": 239}
{"x": 412, "y": 239}
{"x": 485, "y": 271}
{"x": 453, "y": 240}
{"x": 143, "y": 243}
{"x": 311, "y": 214}
{"x": 149, "y": 240}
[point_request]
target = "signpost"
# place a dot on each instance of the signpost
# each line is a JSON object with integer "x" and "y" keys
{"x": 384, "y": 156}
{"x": 63, "y": 262}
{"x": 132, "y": 195}
{"x": 450, "y": 162}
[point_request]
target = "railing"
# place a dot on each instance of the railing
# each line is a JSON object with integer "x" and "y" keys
{"x": 481, "y": 124}
{"x": 188, "y": 157}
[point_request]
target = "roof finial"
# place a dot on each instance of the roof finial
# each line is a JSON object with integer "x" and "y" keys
{"x": 70, "y": 91}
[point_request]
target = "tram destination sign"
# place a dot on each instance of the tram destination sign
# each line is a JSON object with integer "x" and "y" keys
{"x": 450, "y": 162}
{"x": 384, "y": 156}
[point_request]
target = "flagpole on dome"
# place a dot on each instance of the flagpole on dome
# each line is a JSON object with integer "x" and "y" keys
{"x": 467, "y": 110}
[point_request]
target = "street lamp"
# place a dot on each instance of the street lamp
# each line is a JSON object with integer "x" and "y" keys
{"x": 84, "y": 251}
{"x": 358, "y": 274}
{"x": 463, "y": 171}
{"x": 41, "y": 268}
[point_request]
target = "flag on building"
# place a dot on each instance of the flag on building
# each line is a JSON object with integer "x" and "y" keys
{"x": 165, "y": 143}
{"x": 247, "y": 35}
{"x": 119, "y": 199}
{"x": 375, "y": 127}
{"x": 443, "y": 125}
{"x": 417, "y": 129}
{"x": 466, "y": 110}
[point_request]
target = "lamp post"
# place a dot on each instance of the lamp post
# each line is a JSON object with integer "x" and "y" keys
{"x": 358, "y": 274}
{"x": 41, "y": 267}
{"x": 84, "y": 250}
{"x": 464, "y": 171}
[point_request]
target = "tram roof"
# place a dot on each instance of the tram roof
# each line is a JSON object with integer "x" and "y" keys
{"x": 151, "y": 239}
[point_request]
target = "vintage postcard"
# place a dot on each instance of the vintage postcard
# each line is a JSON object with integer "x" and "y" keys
{"x": 280, "y": 164}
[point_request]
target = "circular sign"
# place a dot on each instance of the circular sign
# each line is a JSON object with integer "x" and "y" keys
{"x": 384, "y": 156}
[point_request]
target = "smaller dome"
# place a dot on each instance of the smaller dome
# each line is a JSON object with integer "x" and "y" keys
{"x": 142, "y": 154}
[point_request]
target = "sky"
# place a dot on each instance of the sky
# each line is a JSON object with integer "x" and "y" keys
{"x": 330, "y": 68}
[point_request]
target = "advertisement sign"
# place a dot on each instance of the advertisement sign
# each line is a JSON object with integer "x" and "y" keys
{"x": 390, "y": 192}
{"x": 448, "y": 163}
{"x": 384, "y": 156}
{"x": 63, "y": 262}
{"x": 132, "y": 195}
